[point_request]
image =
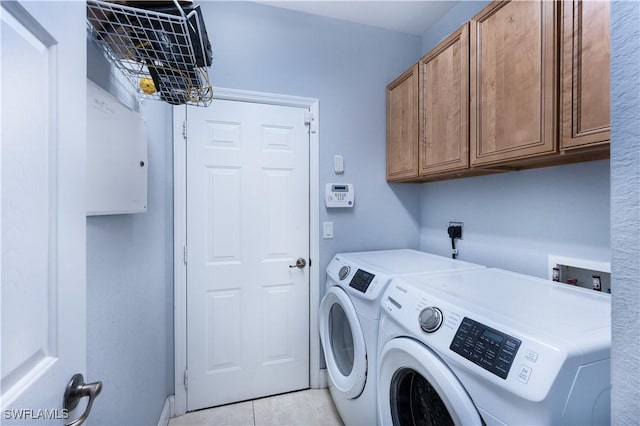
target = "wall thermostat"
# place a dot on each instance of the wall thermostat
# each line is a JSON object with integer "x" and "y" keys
{"x": 338, "y": 195}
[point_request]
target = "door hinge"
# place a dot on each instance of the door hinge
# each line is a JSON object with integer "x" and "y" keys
{"x": 186, "y": 378}
{"x": 185, "y": 254}
{"x": 310, "y": 120}
{"x": 184, "y": 130}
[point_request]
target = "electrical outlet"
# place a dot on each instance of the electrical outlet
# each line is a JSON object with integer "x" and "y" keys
{"x": 460, "y": 224}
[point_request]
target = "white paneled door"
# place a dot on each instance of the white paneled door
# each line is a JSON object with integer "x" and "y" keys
{"x": 247, "y": 226}
{"x": 43, "y": 95}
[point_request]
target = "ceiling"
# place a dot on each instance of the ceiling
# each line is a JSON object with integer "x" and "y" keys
{"x": 411, "y": 17}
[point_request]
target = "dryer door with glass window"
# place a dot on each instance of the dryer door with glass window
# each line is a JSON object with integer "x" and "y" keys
{"x": 343, "y": 343}
{"x": 416, "y": 388}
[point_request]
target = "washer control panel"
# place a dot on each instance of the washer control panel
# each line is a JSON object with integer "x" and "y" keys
{"x": 361, "y": 280}
{"x": 489, "y": 348}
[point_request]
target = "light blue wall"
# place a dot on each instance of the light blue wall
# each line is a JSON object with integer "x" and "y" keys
{"x": 625, "y": 210}
{"x": 347, "y": 67}
{"x": 130, "y": 285}
{"x": 514, "y": 220}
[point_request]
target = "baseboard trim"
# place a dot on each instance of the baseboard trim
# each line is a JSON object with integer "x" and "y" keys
{"x": 324, "y": 380}
{"x": 168, "y": 411}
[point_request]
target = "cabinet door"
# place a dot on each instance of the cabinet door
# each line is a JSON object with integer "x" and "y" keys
{"x": 402, "y": 126}
{"x": 513, "y": 78}
{"x": 444, "y": 110}
{"x": 586, "y": 51}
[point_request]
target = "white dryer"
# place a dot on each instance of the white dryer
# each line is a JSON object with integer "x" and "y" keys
{"x": 349, "y": 316}
{"x": 493, "y": 347}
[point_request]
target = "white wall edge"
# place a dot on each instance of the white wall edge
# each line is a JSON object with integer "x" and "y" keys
{"x": 180, "y": 270}
{"x": 167, "y": 411}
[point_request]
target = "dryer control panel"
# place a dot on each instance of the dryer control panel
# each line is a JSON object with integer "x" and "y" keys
{"x": 356, "y": 281}
{"x": 361, "y": 280}
{"x": 489, "y": 348}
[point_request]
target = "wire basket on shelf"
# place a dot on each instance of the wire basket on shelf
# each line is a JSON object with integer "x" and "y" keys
{"x": 162, "y": 48}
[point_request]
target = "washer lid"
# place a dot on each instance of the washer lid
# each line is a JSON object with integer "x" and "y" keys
{"x": 343, "y": 343}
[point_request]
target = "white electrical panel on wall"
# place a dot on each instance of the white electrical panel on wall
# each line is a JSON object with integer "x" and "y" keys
{"x": 116, "y": 156}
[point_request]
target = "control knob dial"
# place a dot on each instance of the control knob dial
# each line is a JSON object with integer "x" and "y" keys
{"x": 344, "y": 272}
{"x": 430, "y": 319}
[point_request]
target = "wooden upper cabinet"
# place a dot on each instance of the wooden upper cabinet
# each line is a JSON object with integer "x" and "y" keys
{"x": 585, "y": 68}
{"x": 526, "y": 83}
{"x": 444, "y": 105}
{"x": 402, "y": 126}
{"x": 513, "y": 112}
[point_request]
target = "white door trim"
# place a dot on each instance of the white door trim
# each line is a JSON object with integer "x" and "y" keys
{"x": 180, "y": 232}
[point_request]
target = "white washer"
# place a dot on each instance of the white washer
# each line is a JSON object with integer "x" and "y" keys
{"x": 493, "y": 347}
{"x": 349, "y": 316}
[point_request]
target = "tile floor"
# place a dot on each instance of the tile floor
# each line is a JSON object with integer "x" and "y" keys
{"x": 312, "y": 407}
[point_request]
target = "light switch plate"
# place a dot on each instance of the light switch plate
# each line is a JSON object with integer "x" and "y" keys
{"x": 327, "y": 230}
{"x": 338, "y": 164}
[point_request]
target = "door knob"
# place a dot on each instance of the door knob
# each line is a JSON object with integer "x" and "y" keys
{"x": 75, "y": 391}
{"x": 300, "y": 263}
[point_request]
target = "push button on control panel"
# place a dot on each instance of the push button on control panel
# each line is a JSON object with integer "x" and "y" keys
{"x": 532, "y": 356}
{"x": 524, "y": 373}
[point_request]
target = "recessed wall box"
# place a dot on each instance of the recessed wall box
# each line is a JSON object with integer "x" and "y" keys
{"x": 338, "y": 195}
{"x": 580, "y": 272}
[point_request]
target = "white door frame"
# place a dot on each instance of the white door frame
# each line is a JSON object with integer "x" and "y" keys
{"x": 180, "y": 232}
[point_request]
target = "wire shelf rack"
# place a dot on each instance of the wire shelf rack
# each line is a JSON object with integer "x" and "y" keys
{"x": 162, "y": 49}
